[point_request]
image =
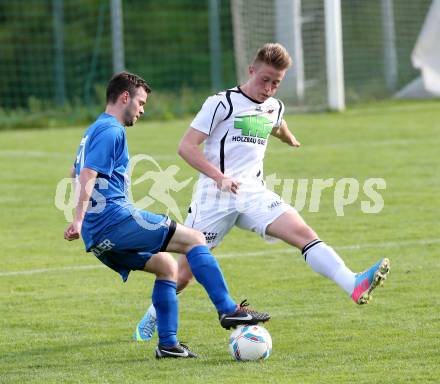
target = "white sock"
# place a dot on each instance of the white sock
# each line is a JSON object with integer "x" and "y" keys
{"x": 152, "y": 311}
{"x": 324, "y": 260}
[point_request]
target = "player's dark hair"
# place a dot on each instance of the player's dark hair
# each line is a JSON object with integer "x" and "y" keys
{"x": 124, "y": 81}
{"x": 275, "y": 55}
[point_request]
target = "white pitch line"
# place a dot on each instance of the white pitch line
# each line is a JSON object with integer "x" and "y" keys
{"x": 241, "y": 254}
{"x": 340, "y": 247}
{"x": 21, "y": 153}
{"x": 44, "y": 270}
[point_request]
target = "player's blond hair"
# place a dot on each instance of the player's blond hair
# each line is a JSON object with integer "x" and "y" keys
{"x": 275, "y": 55}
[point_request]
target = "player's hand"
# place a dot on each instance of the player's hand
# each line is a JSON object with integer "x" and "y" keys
{"x": 73, "y": 231}
{"x": 226, "y": 184}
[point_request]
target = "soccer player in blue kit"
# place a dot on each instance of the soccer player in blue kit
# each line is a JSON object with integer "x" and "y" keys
{"x": 125, "y": 238}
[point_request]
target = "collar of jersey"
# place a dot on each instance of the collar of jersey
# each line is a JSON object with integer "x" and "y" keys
{"x": 248, "y": 97}
{"x": 107, "y": 115}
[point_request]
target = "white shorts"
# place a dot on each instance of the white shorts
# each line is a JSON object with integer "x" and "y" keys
{"x": 254, "y": 211}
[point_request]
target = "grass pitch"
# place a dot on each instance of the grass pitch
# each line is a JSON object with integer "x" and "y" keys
{"x": 65, "y": 318}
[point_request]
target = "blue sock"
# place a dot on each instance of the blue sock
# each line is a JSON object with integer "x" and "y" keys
{"x": 207, "y": 272}
{"x": 165, "y": 301}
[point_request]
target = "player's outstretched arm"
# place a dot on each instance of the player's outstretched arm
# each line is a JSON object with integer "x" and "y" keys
{"x": 83, "y": 189}
{"x": 283, "y": 133}
{"x": 189, "y": 150}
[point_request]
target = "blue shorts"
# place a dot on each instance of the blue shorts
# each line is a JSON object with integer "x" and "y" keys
{"x": 129, "y": 244}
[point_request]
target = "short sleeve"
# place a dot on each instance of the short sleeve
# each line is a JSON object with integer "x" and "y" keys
{"x": 100, "y": 151}
{"x": 213, "y": 112}
{"x": 280, "y": 114}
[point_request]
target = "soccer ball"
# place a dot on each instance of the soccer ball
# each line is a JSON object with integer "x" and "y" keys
{"x": 250, "y": 342}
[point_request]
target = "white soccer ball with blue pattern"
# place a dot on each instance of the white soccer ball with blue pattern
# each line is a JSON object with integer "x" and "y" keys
{"x": 250, "y": 342}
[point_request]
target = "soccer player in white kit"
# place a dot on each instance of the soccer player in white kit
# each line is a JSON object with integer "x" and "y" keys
{"x": 234, "y": 126}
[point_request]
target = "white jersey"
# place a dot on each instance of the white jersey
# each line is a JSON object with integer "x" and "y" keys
{"x": 238, "y": 129}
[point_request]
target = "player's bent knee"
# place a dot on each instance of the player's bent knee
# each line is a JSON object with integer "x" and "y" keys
{"x": 171, "y": 269}
{"x": 198, "y": 238}
{"x": 169, "y": 272}
{"x": 163, "y": 266}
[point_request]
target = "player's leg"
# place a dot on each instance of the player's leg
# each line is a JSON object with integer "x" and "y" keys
{"x": 147, "y": 326}
{"x": 269, "y": 216}
{"x": 207, "y": 272}
{"x": 136, "y": 245}
{"x": 203, "y": 266}
{"x": 214, "y": 224}
{"x": 215, "y": 229}
{"x": 164, "y": 297}
{"x": 164, "y": 266}
{"x": 165, "y": 302}
{"x": 184, "y": 274}
{"x": 291, "y": 228}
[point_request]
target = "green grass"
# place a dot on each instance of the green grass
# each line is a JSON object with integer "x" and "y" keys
{"x": 75, "y": 326}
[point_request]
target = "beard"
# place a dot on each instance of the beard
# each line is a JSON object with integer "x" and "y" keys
{"x": 128, "y": 123}
{"x": 128, "y": 117}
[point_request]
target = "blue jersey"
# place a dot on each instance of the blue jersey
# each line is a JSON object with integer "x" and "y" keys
{"x": 104, "y": 149}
